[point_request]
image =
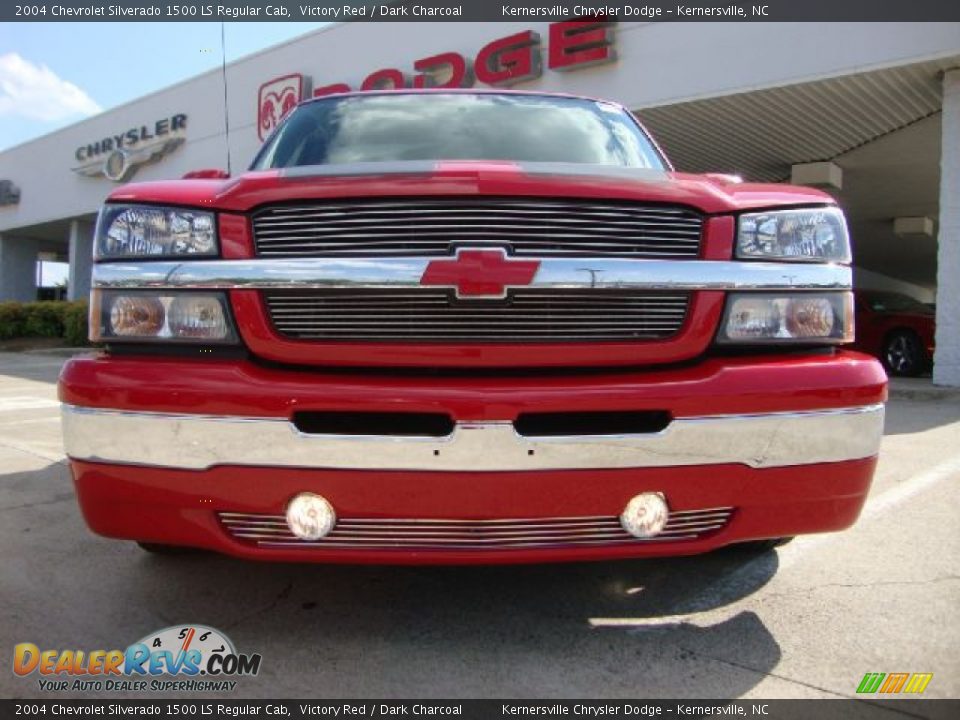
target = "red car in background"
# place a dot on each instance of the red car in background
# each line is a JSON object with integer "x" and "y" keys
{"x": 896, "y": 328}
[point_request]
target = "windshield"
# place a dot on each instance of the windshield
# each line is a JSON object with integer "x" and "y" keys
{"x": 410, "y": 126}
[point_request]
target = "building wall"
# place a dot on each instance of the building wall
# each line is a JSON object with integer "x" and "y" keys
{"x": 18, "y": 268}
{"x": 946, "y": 369}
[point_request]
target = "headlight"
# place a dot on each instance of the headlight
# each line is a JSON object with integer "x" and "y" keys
{"x": 143, "y": 316}
{"x": 810, "y": 235}
{"x": 132, "y": 231}
{"x": 788, "y": 318}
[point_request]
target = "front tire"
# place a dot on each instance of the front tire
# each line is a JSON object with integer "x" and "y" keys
{"x": 903, "y": 354}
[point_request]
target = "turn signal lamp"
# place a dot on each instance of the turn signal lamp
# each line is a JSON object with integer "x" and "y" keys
{"x": 144, "y": 316}
{"x": 788, "y": 318}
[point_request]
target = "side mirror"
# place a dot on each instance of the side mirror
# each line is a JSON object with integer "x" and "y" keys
{"x": 206, "y": 174}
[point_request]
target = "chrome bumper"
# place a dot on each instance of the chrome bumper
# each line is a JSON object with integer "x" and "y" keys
{"x": 197, "y": 442}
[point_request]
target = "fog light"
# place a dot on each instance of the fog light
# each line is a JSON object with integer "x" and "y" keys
{"x": 310, "y": 517}
{"x": 645, "y": 515}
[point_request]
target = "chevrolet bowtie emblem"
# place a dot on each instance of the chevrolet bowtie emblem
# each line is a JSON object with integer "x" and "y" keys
{"x": 480, "y": 273}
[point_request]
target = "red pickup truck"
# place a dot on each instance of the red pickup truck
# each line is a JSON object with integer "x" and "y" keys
{"x": 469, "y": 327}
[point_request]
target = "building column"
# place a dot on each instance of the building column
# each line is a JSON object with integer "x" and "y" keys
{"x": 18, "y": 268}
{"x": 946, "y": 368}
{"x": 827, "y": 176}
{"x": 81, "y": 260}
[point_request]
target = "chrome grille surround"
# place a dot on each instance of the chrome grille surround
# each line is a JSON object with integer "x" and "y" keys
{"x": 271, "y": 531}
{"x": 555, "y": 273}
{"x": 435, "y": 227}
{"x": 433, "y": 314}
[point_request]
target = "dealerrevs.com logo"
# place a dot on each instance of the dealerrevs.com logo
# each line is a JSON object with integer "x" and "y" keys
{"x": 177, "y": 658}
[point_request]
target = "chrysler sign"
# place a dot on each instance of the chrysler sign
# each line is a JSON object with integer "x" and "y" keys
{"x": 118, "y": 157}
{"x": 571, "y": 45}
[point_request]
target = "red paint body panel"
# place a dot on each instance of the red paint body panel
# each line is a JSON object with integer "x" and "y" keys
{"x": 716, "y": 386}
{"x": 261, "y": 187}
{"x": 236, "y": 239}
{"x": 179, "y": 507}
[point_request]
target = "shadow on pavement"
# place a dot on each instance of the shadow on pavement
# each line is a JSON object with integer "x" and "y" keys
{"x": 554, "y": 630}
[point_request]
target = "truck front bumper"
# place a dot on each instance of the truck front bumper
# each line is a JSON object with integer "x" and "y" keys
{"x": 205, "y": 454}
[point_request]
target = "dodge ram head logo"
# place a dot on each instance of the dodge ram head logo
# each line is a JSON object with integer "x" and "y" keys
{"x": 276, "y": 99}
{"x": 479, "y": 274}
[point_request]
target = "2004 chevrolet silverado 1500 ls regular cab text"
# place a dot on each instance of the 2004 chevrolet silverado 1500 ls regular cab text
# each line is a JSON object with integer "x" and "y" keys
{"x": 469, "y": 327}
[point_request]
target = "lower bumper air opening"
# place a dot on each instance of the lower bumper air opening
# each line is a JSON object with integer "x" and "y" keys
{"x": 560, "y": 424}
{"x": 384, "y": 424}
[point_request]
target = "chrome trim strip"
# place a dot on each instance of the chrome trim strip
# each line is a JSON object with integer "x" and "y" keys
{"x": 199, "y": 442}
{"x": 559, "y": 273}
{"x": 267, "y": 530}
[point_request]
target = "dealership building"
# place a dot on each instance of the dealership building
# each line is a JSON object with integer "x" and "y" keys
{"x": 869, "y": 112}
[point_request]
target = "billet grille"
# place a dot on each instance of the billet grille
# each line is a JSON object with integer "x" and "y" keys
{"x": 435, "y": 227}
{"x": 271, "y": 531}
{"x": 434, "y": 314}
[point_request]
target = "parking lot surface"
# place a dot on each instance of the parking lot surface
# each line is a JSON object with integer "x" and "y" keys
{"x": 806, "y": 620}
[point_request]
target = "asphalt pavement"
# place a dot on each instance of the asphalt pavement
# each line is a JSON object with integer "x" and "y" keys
{"x": 806, "y": 620}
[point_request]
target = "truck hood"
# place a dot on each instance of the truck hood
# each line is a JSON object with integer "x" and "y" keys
{"x": 710, "y": 194}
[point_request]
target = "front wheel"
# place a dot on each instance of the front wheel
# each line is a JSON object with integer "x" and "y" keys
{"x": 903, "y": 354}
